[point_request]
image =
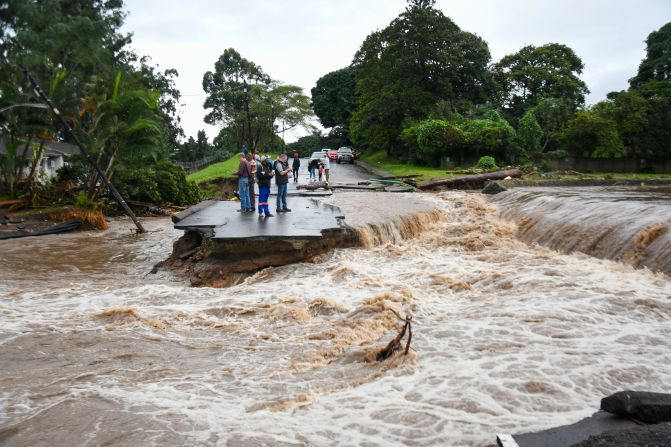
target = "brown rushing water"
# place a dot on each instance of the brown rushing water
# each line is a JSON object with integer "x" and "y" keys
{"x": 507, "y": 338}
{"x": 631, "y": 225}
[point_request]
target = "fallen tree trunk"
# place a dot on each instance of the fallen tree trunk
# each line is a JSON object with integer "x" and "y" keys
{"x": 313, "y": 186}
{"x": 476, "y": 181}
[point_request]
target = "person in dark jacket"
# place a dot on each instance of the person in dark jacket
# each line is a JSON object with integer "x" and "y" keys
{"x": 264, "y": 172}
{"x": 312, "y": 167}
{"x": 282, "y": 170}
{"x": 296, "y": 164}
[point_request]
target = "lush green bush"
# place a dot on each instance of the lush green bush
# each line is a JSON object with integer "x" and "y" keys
{"x": 438, "y": 138}
{"x": 491, "y": 135}
{"x": 163, "y": 182}
{"x": 486, "y": 162}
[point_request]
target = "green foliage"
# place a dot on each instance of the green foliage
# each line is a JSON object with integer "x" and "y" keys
{"x": 83, "y": 201}
{"x": 404, "y": 69}
{"x": 163, "y": 182}
{"x": 200, "y": 148}
{"x": 529, "y": 136}
{"x": 535, "y": 73}
{"x": 589, "y": 134}
{"x": 657, "y": 64}
{"x": 492, "y": 135}
{"x": 10, "y": 165}
{"x": 486, "y": 162}
{"x": 306, "y": 145}
{"x": 438, "y": 138}
{"x": 552, "y": 115}
{"x": 248, "y": 105}
{"x": 334, "y": 97}
{"x": 121, "y": 107}
{"x": 75, "y": 170}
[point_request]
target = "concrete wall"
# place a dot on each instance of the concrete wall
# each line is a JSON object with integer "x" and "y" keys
{"x": 612, "y": 165}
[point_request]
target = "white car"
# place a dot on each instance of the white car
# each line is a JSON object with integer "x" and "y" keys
{"x": 317, "y": 155}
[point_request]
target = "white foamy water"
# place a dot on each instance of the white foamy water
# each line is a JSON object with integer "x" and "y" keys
{"x": 506, "y": 338}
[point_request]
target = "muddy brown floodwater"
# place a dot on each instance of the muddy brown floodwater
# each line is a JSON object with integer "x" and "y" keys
{"x": 507, "y": 337}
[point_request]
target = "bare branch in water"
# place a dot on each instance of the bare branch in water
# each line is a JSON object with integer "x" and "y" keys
{"x": 395, "y": 344}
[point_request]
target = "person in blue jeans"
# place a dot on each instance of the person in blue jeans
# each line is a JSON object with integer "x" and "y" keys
{"x": 282, "y": 170}
{"x": 244, "y": 171}
{"x": 264, "y": 172}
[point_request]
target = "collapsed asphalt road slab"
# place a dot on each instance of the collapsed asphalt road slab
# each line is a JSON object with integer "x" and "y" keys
{"x": 308, "y": 218}
{"x": 220, "y": 245}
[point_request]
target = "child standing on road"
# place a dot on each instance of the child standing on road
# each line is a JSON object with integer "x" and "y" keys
{"x": 321, "y": 171}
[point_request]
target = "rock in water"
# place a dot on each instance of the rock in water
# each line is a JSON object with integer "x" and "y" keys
{"x": 651, "y": 408}
{"x": 493, "y": 188}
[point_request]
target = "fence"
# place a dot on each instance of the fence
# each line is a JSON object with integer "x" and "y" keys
{"x": 193, "y": 166}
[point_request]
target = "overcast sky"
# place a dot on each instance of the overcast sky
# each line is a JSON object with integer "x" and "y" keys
{"x": 298, "y": 41}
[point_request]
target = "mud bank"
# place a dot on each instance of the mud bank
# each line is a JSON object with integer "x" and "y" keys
{"x": 214, "y": 253}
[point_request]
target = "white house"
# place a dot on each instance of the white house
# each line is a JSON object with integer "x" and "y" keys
{"x": 54, "y": 156}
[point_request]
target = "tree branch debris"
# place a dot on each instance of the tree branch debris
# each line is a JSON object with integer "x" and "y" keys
{"x": 395, "y": 344}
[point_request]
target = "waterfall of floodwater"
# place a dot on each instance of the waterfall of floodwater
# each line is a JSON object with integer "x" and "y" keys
{"x": 507, "y": 337}
{"x": 631, "y": 225}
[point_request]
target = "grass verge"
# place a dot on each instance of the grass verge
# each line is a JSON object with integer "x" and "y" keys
{"x": 219, "y": 171}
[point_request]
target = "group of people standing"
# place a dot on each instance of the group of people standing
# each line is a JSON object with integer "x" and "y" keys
{"x": 321, "y": 167}
{"x": 261, "y": 169}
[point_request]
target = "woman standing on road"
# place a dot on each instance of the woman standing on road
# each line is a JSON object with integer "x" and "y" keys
{"x": 295, "y": 166}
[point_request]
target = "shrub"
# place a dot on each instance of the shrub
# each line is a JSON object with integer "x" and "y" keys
{"x": 163, "y": 182}
{"x": 486, "y": 162}
{"x": 437, "y": 138}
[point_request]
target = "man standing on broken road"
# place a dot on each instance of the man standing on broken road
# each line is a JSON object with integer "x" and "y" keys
{"x": 282, "y": 170}
{"x": 244, "y": 171}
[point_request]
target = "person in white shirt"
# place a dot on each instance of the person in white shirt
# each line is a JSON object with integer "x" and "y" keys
{"x": 327, "y": 166}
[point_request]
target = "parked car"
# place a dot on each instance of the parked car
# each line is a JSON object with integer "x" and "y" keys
{"x": 332, "y": 154}
{"x": 317, "y": 155}
{"x": 345, "y": 154}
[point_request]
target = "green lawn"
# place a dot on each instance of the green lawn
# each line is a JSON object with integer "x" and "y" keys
{"x": 394, "y": 167}
{"x": 218, "y": 171}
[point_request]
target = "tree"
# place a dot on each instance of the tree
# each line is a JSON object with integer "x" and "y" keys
{"x": 290, "y": 107}
{"x": 438, "y": 138}
{"x": 403, "y": 70}
{"x": 491, "y": 135}
{"x": 334, "y": 97}
{"x": 247, "y": 103}
{"x": 536, "y": 73}
{"x": 124, "y": 125}
{"x": 529, "y": 135}
{"x": 232, "y": 89}
{"x": 552, "y": 114}
{"x": 74, "y": 48}
{"x": 657, "y": 64}
{"x": 589, "y": 134}
{"x": 307, "y": 144}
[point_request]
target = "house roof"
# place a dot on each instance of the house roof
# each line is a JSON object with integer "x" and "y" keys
{"x": 51, "y": 149}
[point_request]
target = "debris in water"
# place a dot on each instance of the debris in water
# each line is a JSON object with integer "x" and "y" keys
{"x": 395, "y": 344}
